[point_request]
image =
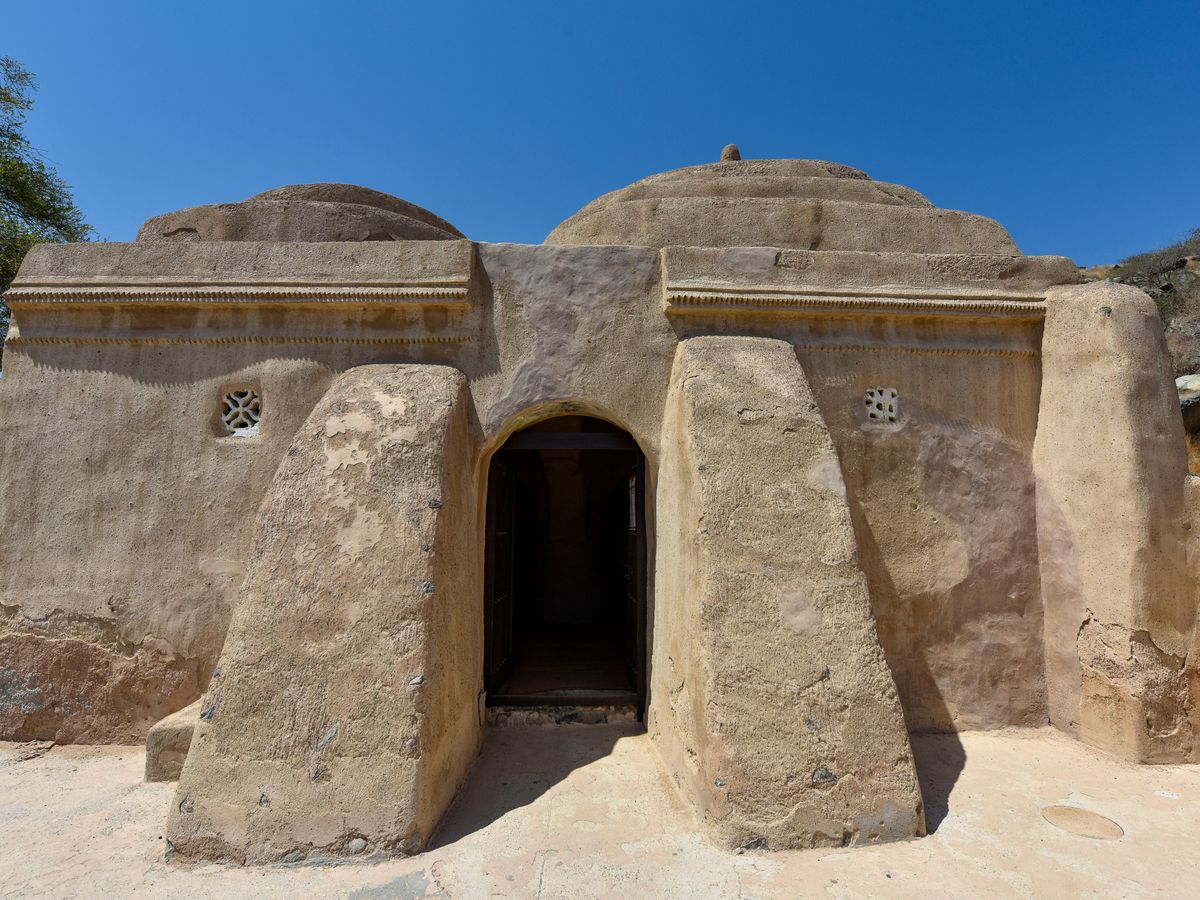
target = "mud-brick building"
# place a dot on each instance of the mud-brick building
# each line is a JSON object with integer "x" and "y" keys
{"x": 784, "y": 461}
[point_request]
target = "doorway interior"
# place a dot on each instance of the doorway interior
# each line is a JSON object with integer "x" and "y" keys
{"x": 566, "y": 567}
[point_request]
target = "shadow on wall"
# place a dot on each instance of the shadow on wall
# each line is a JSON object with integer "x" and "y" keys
{"x": 519, "y": 765}
{"x": 939, "y": 756}
{"x": 944, "y": 512}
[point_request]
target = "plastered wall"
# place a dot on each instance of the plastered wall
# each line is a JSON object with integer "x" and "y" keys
{"x": 127, "y": 514}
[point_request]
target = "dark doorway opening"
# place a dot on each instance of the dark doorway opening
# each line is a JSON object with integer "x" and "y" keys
{"x": 566, "y": 567}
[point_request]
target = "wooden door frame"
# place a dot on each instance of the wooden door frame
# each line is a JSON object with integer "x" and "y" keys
{"x": 489, "y": 583}
{"x": 607, "y": 441}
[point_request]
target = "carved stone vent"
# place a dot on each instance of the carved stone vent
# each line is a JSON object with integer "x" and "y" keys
{"x": 883, "y": 405}
{"x": 240, "y": 412}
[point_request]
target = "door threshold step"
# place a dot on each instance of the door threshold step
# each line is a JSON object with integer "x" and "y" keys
{"x": 509, "y": 716}
{"x": 576, "y": 697}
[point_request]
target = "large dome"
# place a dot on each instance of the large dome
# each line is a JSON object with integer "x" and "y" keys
{"x": 304, "y": 212}
{"x": 799, "y": 204}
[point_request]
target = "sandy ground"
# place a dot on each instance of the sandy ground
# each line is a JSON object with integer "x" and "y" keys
{"x": 585, "y": 811}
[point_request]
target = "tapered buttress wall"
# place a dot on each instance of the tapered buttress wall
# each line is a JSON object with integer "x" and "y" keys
{"x": 344, "y": 707}
{"x": 772, "y": 702}
{"x": 1111, "y": 465}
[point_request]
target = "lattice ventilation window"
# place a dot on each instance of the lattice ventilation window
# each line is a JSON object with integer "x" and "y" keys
{"x": 240, "y": 412}
{"x": 882, "y": 405}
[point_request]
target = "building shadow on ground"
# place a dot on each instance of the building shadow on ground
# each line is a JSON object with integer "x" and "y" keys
{"x": 940, "y": 759}
{"x": 518, "y": 765}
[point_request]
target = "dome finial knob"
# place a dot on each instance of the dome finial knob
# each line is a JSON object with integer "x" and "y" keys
{"x": 730, "y": 153}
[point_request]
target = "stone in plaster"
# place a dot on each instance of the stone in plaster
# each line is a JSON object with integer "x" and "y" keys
{"x": 95, "y": 690}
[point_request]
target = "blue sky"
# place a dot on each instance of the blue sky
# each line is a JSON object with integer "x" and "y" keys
{"x": 1074, "y": 124}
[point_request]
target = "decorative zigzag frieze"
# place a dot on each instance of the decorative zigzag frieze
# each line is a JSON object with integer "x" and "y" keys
{"x": 928, "y": 350}
{"x": 683, "y": 299}
{"x": 16, "y": 343}
{"x": 440, "y": 293}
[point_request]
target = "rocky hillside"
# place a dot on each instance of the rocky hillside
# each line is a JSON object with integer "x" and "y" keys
{"x": 1172, "y": 277}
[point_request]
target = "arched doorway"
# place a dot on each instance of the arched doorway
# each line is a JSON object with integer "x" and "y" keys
{"x": 565, "y": 610}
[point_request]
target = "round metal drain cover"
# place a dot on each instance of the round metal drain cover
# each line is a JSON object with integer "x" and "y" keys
{"x": 1082, "y": 822}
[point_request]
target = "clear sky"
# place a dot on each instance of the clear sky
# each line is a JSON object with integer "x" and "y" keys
{"x": 1077, "y": 125}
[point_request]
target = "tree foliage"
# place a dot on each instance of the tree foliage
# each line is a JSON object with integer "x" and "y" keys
{"x": 1166, "y": 276}
{"x": 35, "y": 203}
{"x": 1166, "y": 258}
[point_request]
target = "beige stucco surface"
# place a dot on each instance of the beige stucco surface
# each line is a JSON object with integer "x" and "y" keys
{"x": 942, "y": 499}
{"x": 537, "y": 331}
{"x": 345, "y": 705}
{"x": 115, "y": 605}
{"x": 772, "y": 702}
{"x": 1111, "y": 467}
{"x": 943, "y": 505}
{"x": 168, "y": 742}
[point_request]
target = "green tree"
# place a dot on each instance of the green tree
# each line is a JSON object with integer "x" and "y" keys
{"x": 35, "y": 204}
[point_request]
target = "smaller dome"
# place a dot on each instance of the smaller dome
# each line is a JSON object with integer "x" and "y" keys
{"x": 304, "y": 212}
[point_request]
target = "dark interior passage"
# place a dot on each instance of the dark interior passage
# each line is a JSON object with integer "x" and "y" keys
{"x": 566, "y": 566}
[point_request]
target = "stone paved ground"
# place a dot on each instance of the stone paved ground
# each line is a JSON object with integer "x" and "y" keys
{"x": 585, "y": 812}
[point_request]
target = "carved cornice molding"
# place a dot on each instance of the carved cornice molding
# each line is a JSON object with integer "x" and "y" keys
{"x": 927, "y": 350}
{"x": 16, "y": 343}
{"x": 437, "y": 292}
{"x": 690, "y": 299}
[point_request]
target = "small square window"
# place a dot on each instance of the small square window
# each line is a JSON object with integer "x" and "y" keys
{"x": 240, "y": 412}
{"x": 882, "y": 405}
